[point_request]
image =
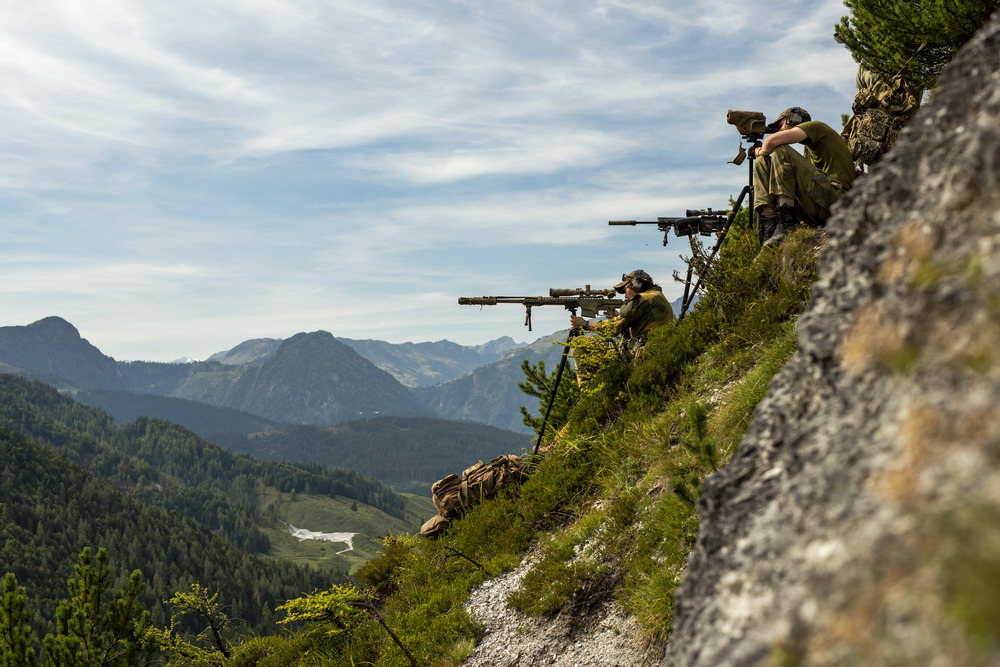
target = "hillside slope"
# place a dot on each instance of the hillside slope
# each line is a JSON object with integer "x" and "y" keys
{"x": 410, "y": 454}
{"x": 180, "y": 509}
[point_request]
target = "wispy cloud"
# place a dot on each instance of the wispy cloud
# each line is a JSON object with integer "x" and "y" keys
{"x": 179, "y": 176}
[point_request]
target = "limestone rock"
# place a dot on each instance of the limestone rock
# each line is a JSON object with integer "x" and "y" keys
{"x": 859, "y": 523}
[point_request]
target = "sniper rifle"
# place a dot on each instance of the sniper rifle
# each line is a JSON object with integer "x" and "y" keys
{"x": 589, "y": 301}
{"x": 703, "y": 221}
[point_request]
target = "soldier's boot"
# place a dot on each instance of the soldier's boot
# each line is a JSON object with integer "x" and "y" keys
{"x": 785, "y": 223}
{"x": 766, "y": 224}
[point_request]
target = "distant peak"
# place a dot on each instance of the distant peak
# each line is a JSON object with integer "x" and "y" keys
{"x": 52, "y": 321}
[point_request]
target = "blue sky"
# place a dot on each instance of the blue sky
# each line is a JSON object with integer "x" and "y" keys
{"x": 178, "y": 177}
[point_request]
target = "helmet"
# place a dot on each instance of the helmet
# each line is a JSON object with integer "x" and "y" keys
{"x": 637, "y": 281}
{"x": 795, "y": 115}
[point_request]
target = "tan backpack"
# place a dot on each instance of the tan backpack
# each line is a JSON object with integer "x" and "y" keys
{"x": 434, "y": 525}
{"x": 454, "y": 494}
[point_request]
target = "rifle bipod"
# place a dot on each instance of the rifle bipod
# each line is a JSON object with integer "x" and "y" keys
{"x": 573, "y": 333}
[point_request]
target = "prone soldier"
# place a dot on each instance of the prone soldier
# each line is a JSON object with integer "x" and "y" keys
{"x": 645, "y": 308}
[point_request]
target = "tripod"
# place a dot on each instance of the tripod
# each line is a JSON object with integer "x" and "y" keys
{"x": 573, "y": 333}
{"x": 747, "y": 191}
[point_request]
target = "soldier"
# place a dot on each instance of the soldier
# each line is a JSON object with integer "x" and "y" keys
{"x": 645, "y": 308}
{"x": 789, "y": 186}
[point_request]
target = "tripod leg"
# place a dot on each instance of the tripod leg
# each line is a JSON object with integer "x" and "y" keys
{"x": 552, "y": 394}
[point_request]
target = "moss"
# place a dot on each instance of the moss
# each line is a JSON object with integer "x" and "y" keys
{"x": 971, "y": 574}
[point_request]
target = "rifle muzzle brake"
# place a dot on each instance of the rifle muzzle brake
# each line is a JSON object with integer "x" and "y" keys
{"x": 477, "y": 301}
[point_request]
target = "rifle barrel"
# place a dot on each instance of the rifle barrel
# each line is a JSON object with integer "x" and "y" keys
{"x": 633, "y": 223}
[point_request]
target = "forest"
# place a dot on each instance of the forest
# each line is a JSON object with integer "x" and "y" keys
{"x": 157, "y": 498}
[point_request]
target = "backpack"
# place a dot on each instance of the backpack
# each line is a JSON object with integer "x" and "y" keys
{"x": 434, "y": 526}
{"x": 454, "y": 494}
{"x": 882, "y": 108}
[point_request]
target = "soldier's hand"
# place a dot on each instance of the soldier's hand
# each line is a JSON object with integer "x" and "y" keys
{"x": 576, "y": 321}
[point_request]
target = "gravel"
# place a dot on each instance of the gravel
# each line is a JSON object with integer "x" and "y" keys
{"x": 605, "y": 636}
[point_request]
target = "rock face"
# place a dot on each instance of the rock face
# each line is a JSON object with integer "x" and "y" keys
{"x": 859, "y": 522}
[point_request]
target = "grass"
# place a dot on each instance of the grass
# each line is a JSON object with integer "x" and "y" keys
{"x": 324, "y": 514}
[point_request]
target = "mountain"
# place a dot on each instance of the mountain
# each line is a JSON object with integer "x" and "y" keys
{"x": 248, "y": 351}
{"x": 489, "y": 394}
{"x": 310, "y": 378}
{"x": 51, "y": 350}
{"x": 409, "y": 454}
{"x": 413, "y": 364}
{"x": 426, "y": 364}
{"x": 315, "y": 379}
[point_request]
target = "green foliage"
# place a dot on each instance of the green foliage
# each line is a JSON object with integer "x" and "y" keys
{"x": 94, "y": 630}
{"x": 333, "y": 611}
{"x": 16, "y": 640}
{"x": 915, "y": 39}
{"x": 560, "y": 577}
{"x": 53, "y": 506}
{"x": 701, "y": 450}
{"x": 539, "y": 384}
{"x": 970, "y": 569}
{"x": 382, "y": 574}
{"x": 205, "y": 607}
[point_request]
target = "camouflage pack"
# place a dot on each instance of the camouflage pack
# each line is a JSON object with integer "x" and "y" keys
{"x": 881, "y": 110}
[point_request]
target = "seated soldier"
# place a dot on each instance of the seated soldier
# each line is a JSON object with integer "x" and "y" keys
{"x": 789, "y": 186}
{"x": 645, "y": 308}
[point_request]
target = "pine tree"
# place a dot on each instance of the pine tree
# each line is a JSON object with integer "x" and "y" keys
{"x": 539, "y": 383}
{"x": 92, "y": 630}
{"x": 914, "y": 39}
{"x": 16, "y": 641}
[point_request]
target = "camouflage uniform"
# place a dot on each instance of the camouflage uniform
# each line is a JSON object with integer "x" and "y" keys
{"x": 638, "y": 316}
{"x": 814, "y": 179}
{"x": 882, "y": 108}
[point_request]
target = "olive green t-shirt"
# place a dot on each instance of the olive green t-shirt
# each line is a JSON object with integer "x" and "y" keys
{"x": 826, "y": 149}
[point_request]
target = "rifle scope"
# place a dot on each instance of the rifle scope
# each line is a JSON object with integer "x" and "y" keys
{"x": 585, "y": 291}
{"x": 695, "y": 212}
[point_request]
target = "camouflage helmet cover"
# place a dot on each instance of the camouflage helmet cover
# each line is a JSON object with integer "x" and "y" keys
{"x": 795, "y": 115}
{"x": 637, "y": 281}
